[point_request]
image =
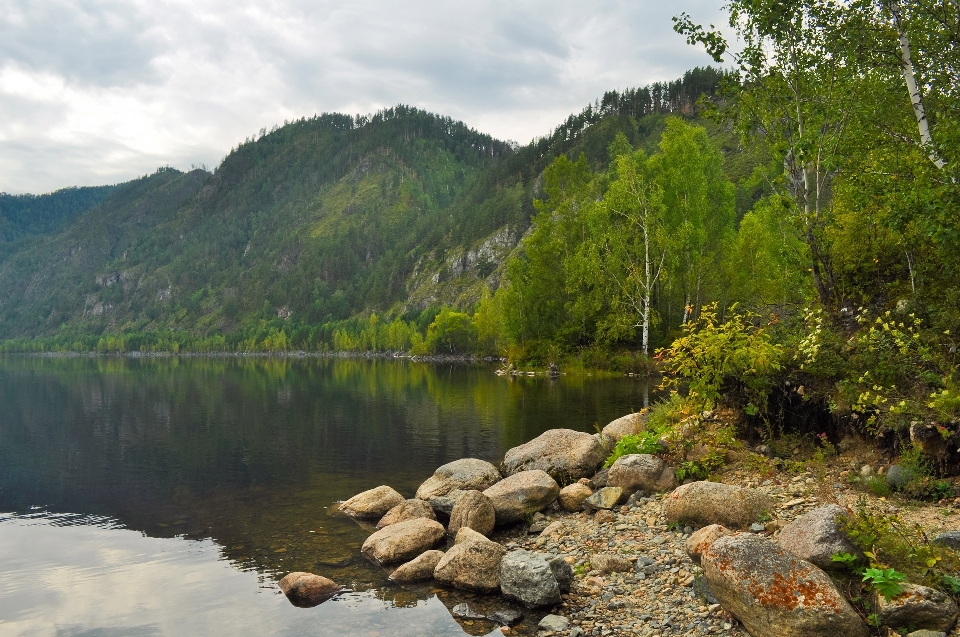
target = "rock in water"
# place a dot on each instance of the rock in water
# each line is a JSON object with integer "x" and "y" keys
{"x": 917, "y": 607}
{"x": 418, "y": 569}
{"x": 408, "y": 510}
{"x": 463, "y": 611}
{"x": 565, "y": 454}
{"x": 629, "y": 425}
{"x": 641, "y": 472}
{"x": 521, "y": 494}
{"x": 774, "y": 593}
{"x": 373, "y": 503}
{"x": 472, "y": 564}
{"x": 465, "y": 474}
{"x": 605, "y": 498}
{"x": 306, "y": 589}
{"x": 702, "y": 503}
{"x": 527, "y": 577}
{"x": 403, "y": 541}
{"x": 816, "y": 537}
{"x": 473, "y": 510}
{"x": 505, "y": 617}
{"x": 573, "y": 495}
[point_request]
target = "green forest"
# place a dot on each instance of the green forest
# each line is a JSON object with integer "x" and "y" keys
{"x": 781, "y": 231}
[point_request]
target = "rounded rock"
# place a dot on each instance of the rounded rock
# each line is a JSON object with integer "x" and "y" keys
{"x": 465, "y": 474}
{"x": 475, "y": 511}
{"x": 306, "y": 589}
{"x": 373, "y": 503}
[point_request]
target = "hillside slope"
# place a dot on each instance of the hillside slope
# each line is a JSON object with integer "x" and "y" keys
{"x": 311, "y": 223}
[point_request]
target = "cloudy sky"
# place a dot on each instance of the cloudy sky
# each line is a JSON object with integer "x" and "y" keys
{"x": 101, "y": 91}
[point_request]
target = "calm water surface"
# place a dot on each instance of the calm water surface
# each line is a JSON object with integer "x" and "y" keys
{"x": 167, "y": 496}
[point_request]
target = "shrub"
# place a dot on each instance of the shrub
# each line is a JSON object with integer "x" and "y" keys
{"x": 711, "y": 356}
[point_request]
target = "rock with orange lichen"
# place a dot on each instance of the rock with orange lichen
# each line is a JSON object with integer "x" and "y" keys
{"x": 774, "y": 593}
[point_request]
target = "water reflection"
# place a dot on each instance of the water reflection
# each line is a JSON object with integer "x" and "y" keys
{"x": 246, "y": 458}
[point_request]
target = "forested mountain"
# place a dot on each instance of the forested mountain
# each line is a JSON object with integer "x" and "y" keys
{"x": 23, "y": 216}
{"x": 311, "y": 223}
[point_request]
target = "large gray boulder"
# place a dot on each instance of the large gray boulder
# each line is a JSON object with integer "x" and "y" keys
{"x": 702, "y": 503}
{"x": 306, "y": 589}
{"x": 407, "y": 510}
{"x": 641, "y": 472}
{"x": 474, "y": 510}
{"x": 774, "y": 593}
{"x": 565, "y": 454}
{"x": 373, "y": 503}
{"x": 403, "y": 541}
{"x": 816, "y": 536}
{"x": 629, "y": 425}
{"x": 917, "y": 607}
{"x": 418, "y": 569}
{"x": 521, "y": 494}
{"x": 530, "y": 579}
{"x": 465, "y": 474}
{"x": 472, "y": 563}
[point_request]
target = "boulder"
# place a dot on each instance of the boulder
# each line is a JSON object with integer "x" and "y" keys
{"x": 565, "y": 454}
{"x": 443, "y": 504}
{"x": 562, "y": 571}
{"x": 373, "y": 503}
{"x": 521, "y": 494}
{"x": 473, "y": 510}
{"x": 403, "y": 541}
{"x": 815, "y": 536}
{"x": 472, "y": 563}
{"x": 573, "y": 495}
{"x": 526, "y": 576}
{"x": 774, "y": 593}
{"x": 898, "y": 476}
{"x": 465, "y": 474}
{"x": 917, "y": 607}
{"x": 599, "y": 479}
{"x": 702, "y": 503}
{"x": 418, "y": 569}
{"x": 927, "y": 633}
{"x": 610, "y": 563}
{"x": 306, "y": 589}
{"x": 466, "y": 534}
{"x": 949, "y": 539}
{"x": 641, "y": 472}
{"x": 605, "y": 498}
{"x": 701, "y": 540}
{"x": 629, "y": 425}
{"x": 407, "y": 510}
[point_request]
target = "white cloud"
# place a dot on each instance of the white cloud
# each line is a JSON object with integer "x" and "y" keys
{"x": 103, "y": 91}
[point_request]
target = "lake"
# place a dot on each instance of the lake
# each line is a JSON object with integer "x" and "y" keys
{"x": 167, "y": 496}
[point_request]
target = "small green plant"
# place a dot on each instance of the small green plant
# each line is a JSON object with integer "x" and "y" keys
{"x": 885, "y": 581}
{"x": 701, "y": 469}
{"x": 848, "y": 560}
{"x": 643, "y": 442}
{"x": 951, "y": 583}
{"x": 877, "y": 485}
